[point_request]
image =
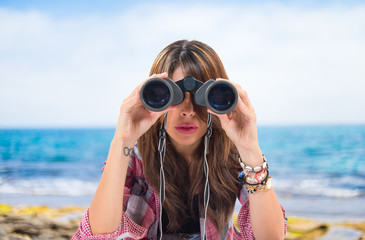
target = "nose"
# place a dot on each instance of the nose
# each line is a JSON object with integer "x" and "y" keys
{"x": 187, "y": 108}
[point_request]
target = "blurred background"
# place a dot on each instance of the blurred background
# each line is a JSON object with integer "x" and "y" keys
{"x": 66, "y": 66}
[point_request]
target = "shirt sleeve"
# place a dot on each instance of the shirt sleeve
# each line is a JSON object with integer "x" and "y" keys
{"x": 244, "y": 218}
{"x": 128, "y": 228}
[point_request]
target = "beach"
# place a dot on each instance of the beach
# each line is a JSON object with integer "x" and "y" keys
{"x": 44, "y": 223}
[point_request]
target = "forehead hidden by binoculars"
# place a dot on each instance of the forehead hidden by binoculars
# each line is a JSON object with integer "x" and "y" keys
{"x": 219, "y": 96}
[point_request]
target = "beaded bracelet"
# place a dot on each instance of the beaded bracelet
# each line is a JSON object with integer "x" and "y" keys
{"x": 258, "y": 182}
{"x": 254, "y": 176}
{"x": 254, "y": 189}
{"x": 242, "y": 177}
{"x": 261, "y": 187}
{"x": 255, "y": 169}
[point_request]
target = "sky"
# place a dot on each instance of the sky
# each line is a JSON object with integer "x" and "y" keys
{"x": 71, "y": 63}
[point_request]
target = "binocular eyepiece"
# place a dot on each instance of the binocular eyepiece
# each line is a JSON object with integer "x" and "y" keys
{"x": 220, "y": 96}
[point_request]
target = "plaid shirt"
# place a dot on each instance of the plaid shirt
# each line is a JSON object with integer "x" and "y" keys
{"x": 142, "y": 207}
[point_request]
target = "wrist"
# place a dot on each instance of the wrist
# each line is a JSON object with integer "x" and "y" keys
{"x": 251, "y": 157}
{"x": 120, "y": 151}
{"x": 122, "y": 142}
{"x": 248, "y": 146}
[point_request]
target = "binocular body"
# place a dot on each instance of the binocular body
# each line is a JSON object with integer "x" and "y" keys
{"x": 219, "y": 96}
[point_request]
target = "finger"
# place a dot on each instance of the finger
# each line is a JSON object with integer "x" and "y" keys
{"x": 157, "y": 115}
{"x": 131, "y": 103}
{"x": 159, "y": 75}
{"x": 155, "y": 75}
{"x": 242, "y": 107}
{"x": 244, "y": 96}
{"x": 170, "y": 108}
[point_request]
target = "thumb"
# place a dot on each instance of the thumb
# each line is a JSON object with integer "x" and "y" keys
{"x": 159, "y": 114}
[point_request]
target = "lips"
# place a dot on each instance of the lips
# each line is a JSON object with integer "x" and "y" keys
{"x": 187, "y": 128}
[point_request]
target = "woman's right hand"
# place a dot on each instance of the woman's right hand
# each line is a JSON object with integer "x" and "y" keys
{"x": 134, "y": 119}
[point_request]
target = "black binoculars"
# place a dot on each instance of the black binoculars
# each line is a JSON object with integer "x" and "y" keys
{"x": 219, "y": 96}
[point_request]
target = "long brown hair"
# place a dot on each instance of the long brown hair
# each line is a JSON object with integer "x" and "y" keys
{"x": 199, "y": 60}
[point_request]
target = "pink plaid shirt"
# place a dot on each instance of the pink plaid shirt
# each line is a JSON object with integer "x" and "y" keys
{"x": 142, "y": 207}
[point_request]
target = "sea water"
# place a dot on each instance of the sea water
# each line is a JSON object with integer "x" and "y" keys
{"x": 318, "y": 171}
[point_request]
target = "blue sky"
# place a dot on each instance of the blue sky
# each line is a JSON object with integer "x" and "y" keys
{"x": 71, "y": 63}
{"x": 84, "y": 7}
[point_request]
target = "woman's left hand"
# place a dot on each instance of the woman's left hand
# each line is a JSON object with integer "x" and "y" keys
{"x": 240, "y": 124}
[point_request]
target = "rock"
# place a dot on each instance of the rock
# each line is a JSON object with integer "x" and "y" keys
{"x": 26, "y": 229}
{"x": 2, "y": 233}
{"x": 343, "y": 233}
{"x": 27, "y": 223}
{"x": 300, "y": 228}
{"x": 14, "y": 236}
{"x": 304, "y": 226}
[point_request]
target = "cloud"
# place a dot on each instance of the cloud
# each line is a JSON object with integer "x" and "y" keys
{"x": 298, "y": 65}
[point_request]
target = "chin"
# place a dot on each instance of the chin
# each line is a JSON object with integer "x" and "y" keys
{"x": 185, "y": 141}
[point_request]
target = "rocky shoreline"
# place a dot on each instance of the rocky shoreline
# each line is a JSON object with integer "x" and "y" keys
{"x": 38, "y": 222}
{"x": 45, "y": 223}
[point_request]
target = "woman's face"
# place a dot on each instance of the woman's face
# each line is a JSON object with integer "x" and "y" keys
{"x": 183, "y": 125}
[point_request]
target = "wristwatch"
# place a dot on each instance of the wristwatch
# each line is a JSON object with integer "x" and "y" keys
{"x": 268, "y": 184}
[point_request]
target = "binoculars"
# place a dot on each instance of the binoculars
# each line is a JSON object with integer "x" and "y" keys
{"x": 220, "y": 96}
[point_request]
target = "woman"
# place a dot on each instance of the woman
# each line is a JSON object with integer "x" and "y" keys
{"x": 134, "y": 169}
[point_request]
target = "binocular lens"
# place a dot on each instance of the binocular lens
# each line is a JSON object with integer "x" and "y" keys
{"x": 221, "y": 97}
{"x": 156, "y": 94}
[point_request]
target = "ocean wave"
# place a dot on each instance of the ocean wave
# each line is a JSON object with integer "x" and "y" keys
{"x": 76, "y": 187}
{"x": 46, "y": 186}
{"x": 319, "y": 187}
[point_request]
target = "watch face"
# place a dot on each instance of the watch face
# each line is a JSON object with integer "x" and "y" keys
{"x": 269, "y": 183}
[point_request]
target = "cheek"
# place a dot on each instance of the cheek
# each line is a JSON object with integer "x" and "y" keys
{"x": 170, "y": 122}
{"x": 203, "y": 128}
